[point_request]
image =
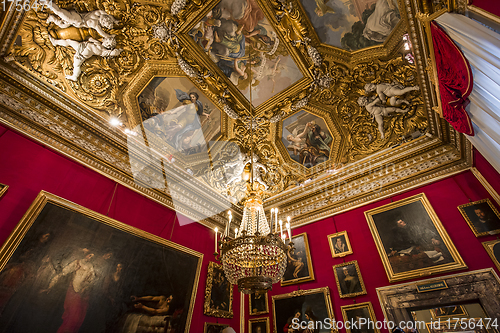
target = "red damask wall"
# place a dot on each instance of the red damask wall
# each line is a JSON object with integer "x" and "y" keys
{"x": 488, "y": 5}
{"x": 28, "y": 168}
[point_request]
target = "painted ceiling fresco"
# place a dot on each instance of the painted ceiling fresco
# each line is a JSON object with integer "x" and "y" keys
{"x": 239, "y": 39}
{"x": 352, "y": 24}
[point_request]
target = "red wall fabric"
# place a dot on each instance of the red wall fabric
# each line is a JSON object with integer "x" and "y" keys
{"x": 28, "y": 168}
{"x": 488, "y": 5}
{"x": 444, "y": 196}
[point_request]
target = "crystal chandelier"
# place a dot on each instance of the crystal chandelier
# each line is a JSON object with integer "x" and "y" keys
{"x": 257, "y": 257}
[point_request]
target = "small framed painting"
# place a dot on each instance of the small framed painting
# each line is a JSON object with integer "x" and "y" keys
{"x": 349, "y": 280}
{"x": 299, "y": 268}
{"x": 339, "y": 244}
{"x": 258, "y": 304}
{"x": 483, "y": 218}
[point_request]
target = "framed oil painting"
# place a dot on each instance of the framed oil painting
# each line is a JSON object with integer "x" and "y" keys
{"x": 469, "y": 325}
{"x": 362, "y": 314}
{"x": 299, "y": 268}
{"x": 3, "y": 189}
{"x": 214, "y": 328}
{"x": 493, "y": 249}
{"x": 302, "y": 306}
{"x": 339, "y": 244}
{"x": 258, "y": 304}
{"x": 483, "y": 218}
{"x": 74, "y": 270}
{"x": 259, "y": 325}
{"x": 411, "y": 240}
{"x": 218, "y": 293}
{"x": 349, "y": 280}
{"x": 449, "y": 311}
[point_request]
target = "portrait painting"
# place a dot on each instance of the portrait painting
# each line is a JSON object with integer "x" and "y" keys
{"x": 339, "y": 244}
{"x": 177, "y": 117}
{"x": 482, "y": 217}
{"x": 299, "y": 267}
{"x": 449, "y": 311}
{"x": 352, "y": 25}
{"x": 302, "y": 306}
{"x": 3, "y": 189}
{"x": 218, "y": 293}
{"x": 214, "y": 328}
{"x": 469, "y": 325}
{"x": 493, "y": 249}
{"x": 349, "y": 280}
{"x": 244, "y": 47}
{"x": 411, "y": 240}
{"x": 258, "y": 303}
{"x": 307, "y": 138}
{"x": 259, "y": 325}
{"x": 363, "y": 315}
{"x": 68, "y": 269}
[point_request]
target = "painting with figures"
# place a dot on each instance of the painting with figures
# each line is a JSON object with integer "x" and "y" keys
{"x": 352, "y": 24}
{"x": 307, "y": 138}
{"x": 66, "y": 268}
{"x": 244, "y": 46}
{"x": 175, "y": 112}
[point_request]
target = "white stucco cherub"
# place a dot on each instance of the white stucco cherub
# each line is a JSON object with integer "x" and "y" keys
{"x": 85, "y": 50}
{"x": 391, "y": 91}
{"x": 97, "y": 19}
{"x": 378, "y": 110}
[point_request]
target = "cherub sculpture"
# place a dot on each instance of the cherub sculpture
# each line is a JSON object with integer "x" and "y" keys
{"x": 85, "y": 50}
{"x": 96, "y": 19}
{"x": 378, "y": 110}
{"x": 391, "y": 91}
{"x": 238, "y": 166}
{"x": 257, "y": 173}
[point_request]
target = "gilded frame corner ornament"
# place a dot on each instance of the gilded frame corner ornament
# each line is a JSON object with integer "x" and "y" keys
{"x": 309, "y": 265}
{"x": 332, "y": 245}
{"x": 265, "y": 311}
{"x": 366, "y": 305}
{"x": 259, "y": 320}
{"x": 297, "y": 293}
{"x": 3, "y": 189}
{"x": 456, "y": 263}
{"x": 358, "y": 275}
{"x": 208, "y": 308}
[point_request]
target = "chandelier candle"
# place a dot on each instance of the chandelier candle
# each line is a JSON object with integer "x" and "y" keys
{"x": 216, "y": 230}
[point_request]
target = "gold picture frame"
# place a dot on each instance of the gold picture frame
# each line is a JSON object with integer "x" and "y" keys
{"x": 449, "y": 311}
{"x": 361, "y": 310}
{"x": 488, "y": 224}
{"x": 218, "y": 293}
{"x": 258, "y": 303}
{"x": 349, "y": 279}
{"x": 339, "y": 244}
{"x": 316, "y": 302}
{"x": 214, "y": 327}
{"x": 408, "y": 251}
{"x": 258, "y": 323}
{"x": 3, "y": 189}
{"x": 57, "y": 238}
{"x": 300, "y": 268}
{"x": 493, "y": 249}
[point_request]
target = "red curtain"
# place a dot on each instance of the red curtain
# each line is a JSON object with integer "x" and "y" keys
{"x": 455, "y": 80}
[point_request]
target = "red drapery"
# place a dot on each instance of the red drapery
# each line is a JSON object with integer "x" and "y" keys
{"x": 455, "y": 80}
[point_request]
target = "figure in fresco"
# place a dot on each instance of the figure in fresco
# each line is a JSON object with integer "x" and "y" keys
{"x": 87, "y": 49}
{"x": 97, "y": 19}
{"x": 381, "y": 22}
{"x": 295, "y": 261}
{"x": 311, "y": 145}
{"x": 237, "y": 166}
{"x": 378, "y": 111}
{"x": 322, "y": 8}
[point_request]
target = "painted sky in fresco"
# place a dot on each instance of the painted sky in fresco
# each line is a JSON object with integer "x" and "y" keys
{"x": 244, "y": 46}
{"x": 352, "y": 24}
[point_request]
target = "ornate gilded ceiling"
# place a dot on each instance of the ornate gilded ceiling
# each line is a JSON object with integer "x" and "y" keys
{"x": 333, "y": 98}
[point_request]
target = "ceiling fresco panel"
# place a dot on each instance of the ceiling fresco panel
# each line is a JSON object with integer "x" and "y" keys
{"x": 239, "y": 39}
{"x": 352, "y": 24}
